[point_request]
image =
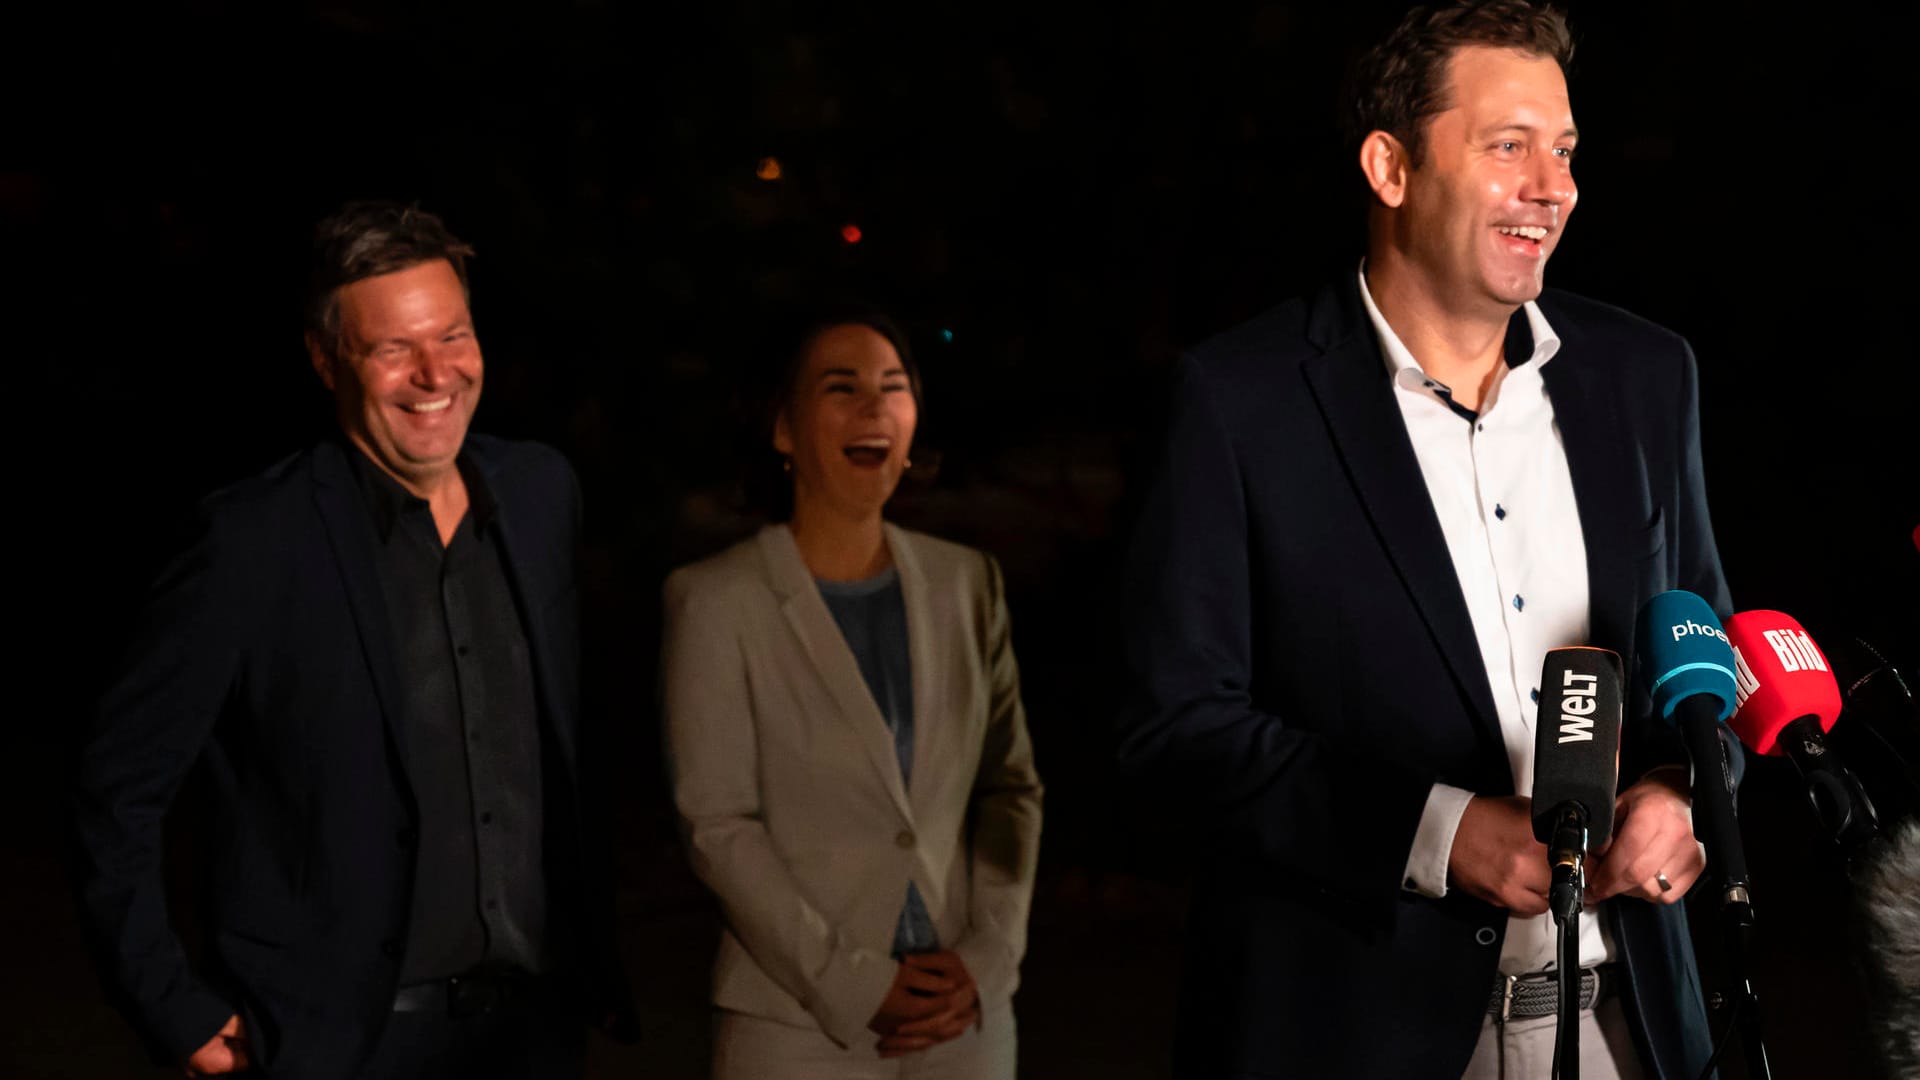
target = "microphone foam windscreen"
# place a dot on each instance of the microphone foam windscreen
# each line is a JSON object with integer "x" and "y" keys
{"x": 1683, "y": 652}
{"x": 1780, "y": 675}
{"x": 1576, "y": 739}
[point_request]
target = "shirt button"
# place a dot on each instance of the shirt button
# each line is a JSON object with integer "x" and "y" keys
{"x": 486, "y": 817}
{"x": 1499, "y": 511}
{"x": 905, "y": 839}
{"x": 1485, "y": 935}
{"x": 1535, "y": 695}
{"x": 463, "y": 650}
{"x": 1519, "y": 602}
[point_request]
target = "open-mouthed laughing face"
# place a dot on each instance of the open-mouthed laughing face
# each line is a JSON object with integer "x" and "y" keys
{"x": 407, "y": 374}
{"x": 1486, "y": 207}
{"x": 849, "y": 423}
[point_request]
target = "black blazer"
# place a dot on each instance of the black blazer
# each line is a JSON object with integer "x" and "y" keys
{"x": 1304, "y": 669}
{"x": 265, "y": 655}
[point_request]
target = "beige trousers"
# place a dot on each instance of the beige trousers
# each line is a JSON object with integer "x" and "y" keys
{"x": 1523, "y": 1049}
{"x": 752, "y": 1048}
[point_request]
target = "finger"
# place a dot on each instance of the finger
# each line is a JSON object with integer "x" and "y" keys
{"x": 945, "y": 963}
{"x": 936, "y": 1023}
{"x": 238, "y": 1053}
{"x": 1526, "y": 903}
{"x": 924, "y": 981}
{"x": 233, "y": 1028}
{"x": 895, "y": 1046}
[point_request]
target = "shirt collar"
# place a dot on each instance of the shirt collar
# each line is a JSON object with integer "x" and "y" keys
{"x": 1534, "y": 330}
{"x": 388, "y": 500}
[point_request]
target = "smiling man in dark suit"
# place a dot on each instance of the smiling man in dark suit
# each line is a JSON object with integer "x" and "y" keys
{"x": 1380, "y": 506}
{"x": 371, "y": 651}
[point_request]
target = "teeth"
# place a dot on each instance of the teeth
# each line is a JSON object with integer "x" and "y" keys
{"x": 1531, "y": 232}
{"x": 429, "y": 406}
{"x": 875, "y": 443}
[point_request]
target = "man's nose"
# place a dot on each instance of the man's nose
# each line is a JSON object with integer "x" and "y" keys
{"x": 1551, "y": 181}
{"x": 430, "y": 368}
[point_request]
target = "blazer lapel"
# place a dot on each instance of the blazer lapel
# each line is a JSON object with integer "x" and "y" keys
{"x": 826, "y": 649}
{"x": 1350, "y": 383}
{"x": 1603, "y": 468}
{"x": 931, "y": 712}
{"x": 539, "y": 642}
{"x": 343, "y": 509}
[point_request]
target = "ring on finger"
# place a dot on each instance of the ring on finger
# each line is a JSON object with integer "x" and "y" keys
{"x": 1665, "y": 885}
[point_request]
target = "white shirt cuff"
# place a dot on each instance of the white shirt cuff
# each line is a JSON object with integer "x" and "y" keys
{"x": 1433, "y": 841}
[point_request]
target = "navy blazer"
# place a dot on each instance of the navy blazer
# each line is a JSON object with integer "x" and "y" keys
{"x": 265, "y": 655}
{"x": 1304, "y": 669}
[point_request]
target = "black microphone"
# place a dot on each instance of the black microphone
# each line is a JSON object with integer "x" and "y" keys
{"x": 1576, "y": 764}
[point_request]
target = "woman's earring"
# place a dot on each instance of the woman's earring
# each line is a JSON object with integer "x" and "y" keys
{"x": 909, "y": 463}
{"x": 786, "y": 463}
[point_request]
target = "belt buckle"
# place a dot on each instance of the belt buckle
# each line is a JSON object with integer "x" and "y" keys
{"x": 1506, "y": 997}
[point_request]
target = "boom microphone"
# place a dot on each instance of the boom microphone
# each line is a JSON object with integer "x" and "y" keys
{"x": 1576, "y": 758}
{"x": 1787, "y": 702}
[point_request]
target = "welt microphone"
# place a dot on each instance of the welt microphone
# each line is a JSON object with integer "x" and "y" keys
{"x": 1576, "y": 764}
{"x": 1787, "y": 701}
{"x": 1688, "y": 664}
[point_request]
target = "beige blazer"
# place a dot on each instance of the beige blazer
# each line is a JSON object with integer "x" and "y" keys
{"x": 790, "y": 793}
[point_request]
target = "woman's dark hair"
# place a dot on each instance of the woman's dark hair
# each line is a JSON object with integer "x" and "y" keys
{"x": 779, "y": 361}
{"x": 367, "y": 239}
{"x": 1401, "y": 83}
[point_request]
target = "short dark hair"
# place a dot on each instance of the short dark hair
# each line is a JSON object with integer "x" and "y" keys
{"x": 366, "y": 239}
{"x": 1401, "y": 83}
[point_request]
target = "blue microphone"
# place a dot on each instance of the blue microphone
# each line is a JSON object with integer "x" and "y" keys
{"x": 1688, "y": 664}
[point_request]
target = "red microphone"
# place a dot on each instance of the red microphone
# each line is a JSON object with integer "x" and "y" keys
{"x": 1786, "y": 701}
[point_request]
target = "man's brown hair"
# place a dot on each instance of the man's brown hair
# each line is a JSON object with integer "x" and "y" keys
{"x": 367, "y": 239}
{"x": 1401, "y": 83}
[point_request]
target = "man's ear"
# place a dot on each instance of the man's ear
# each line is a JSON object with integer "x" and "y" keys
{"x": 321, "y": 360}
{"x": 1383, "y": 160}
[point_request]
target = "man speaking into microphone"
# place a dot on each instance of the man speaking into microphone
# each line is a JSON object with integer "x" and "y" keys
{"x": 1378, "y": 508}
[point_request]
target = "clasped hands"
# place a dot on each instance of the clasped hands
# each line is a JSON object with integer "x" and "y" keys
{"x": 1496, "y": 858}
{"x": 932, "y": 999}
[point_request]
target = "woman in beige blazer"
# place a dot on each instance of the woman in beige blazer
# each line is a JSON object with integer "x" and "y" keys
{"x": 849, "y": 755}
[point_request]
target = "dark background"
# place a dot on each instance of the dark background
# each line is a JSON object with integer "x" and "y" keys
{"x": 1071, "y": 190}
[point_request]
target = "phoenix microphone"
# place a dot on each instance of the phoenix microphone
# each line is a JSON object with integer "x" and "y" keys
{"x": 1688, "y": 664}
{"x": 1787, "y": 701}
{"x": 1576, "y": 764}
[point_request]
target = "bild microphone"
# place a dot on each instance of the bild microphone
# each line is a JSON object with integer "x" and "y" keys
{"x": 1576, "y": 763}
{"x": 1787, "y": 701}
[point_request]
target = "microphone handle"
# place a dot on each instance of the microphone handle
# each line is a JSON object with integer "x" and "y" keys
{"x": 1838, "y": 799}
{"x": 1713, "y": 816}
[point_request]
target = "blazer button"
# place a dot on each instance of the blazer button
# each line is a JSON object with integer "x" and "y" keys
{"x": 1485, "y": 935}
{"x": 905, "y": 839}
{"x": 391, "y": 948}
{"x": 404, "y": 838}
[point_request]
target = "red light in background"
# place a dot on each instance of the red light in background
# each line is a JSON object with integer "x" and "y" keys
{"x": 850, "y": 233}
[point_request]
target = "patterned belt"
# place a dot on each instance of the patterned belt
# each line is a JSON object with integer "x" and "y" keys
{"x": 1521, "y": 997}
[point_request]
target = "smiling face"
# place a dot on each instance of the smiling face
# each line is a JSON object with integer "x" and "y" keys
{"x": 849, "y": 423}
{"x": 1482, "y": 213}
{"x": 407, "y": 373}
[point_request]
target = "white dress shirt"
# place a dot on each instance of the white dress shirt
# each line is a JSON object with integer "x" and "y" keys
{"x": 1501, "y": 489}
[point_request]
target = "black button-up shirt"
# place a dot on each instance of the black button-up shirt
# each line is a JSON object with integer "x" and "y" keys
{"x": 471, "y": 726}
